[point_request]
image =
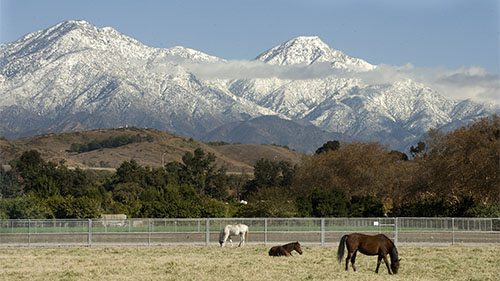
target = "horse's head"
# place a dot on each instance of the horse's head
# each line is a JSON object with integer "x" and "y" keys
{"x": 298, "y": 248}
{"x": 395, "y": 266}
{"x": 222, "y": 237}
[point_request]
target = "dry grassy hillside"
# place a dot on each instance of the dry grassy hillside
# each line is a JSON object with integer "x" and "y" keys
{"x": 164, "y": 147}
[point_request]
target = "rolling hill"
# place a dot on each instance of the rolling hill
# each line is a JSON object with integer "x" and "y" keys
{"x": 160, "y": 147}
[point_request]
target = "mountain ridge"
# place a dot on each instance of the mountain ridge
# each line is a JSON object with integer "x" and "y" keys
{"x": 274, "y": 130}
{"x": 75, "y": 76}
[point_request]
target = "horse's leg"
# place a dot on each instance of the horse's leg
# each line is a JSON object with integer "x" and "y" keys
{"x": 387, "y": 264}
{"x": 379, "y": 258}
{"x": 241, "y": 240}
{"x": 349, "y": 255}
{"x": 231, "y": 240}
{"x": 353, "y": 260}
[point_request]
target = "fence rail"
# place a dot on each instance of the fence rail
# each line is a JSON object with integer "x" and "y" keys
{"x": 205, "y": 231}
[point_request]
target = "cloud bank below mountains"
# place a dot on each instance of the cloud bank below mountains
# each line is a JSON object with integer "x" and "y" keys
{"x": 472, "y": 83}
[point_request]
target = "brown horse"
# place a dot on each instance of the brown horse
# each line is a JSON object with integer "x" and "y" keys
{"x": 285, "y": 250}
{"x": 370, "y": 245}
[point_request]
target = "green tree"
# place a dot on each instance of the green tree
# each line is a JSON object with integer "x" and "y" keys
{"x": 304, "y": 206}
{"x": 269, "y": 173}
{"x": 130, "y": 171}
{"x": 328, "y": 146}
{"x": 199, "y": 170}
{"x": 26, "y": 207}
{"x": 365, "y": 206}
{"x": 29, "y": 166}
{"x": 213, "y": 208}
{"x": 418, "y": 150}
{"x": 9, "y": 185}
{"x": 73, "y": 182}
{"x": 70, "y": 207}
{"x": 328, "y": 203}
{"x": 127, "y": 192}
{"x": 269, "y": 202}
{"x": 423, "y": 208}
{"x": 82, "y": 208}
{"x": 44, "y": 186}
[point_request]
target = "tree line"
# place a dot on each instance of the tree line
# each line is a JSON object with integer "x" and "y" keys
{"x": 448, "y": 174}
{"x": 110, "y": 142}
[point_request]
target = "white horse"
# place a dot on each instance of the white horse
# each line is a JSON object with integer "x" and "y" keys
{"x": 230, "y": 230}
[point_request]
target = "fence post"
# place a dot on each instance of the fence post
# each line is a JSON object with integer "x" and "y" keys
{"x": 90, "y": 233}
{"x": 265, "y": 231}
{"x": 452, "y": 231}
{"x": 395, "y": 230}
{"x": 149, "y": 232}
{"x": 207, "y": 235}
{"x": 29, "y": 233}
{"x": 322, "y": 231}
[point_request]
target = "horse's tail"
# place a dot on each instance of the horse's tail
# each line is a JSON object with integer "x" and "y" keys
{"x": 340, "y": 251}
{"x": 246, "y": 236}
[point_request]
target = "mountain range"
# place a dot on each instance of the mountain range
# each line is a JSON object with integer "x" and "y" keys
{"x": 76, "y": 76}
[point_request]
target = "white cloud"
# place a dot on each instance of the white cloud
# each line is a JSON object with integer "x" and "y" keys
{"x": 242, "y": 69}
{"x": 473, "y": 83}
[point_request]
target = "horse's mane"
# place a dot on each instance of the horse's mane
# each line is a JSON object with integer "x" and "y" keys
{"x": 394, "y": 252}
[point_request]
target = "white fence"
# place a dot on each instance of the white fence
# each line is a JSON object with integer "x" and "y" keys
{"x": 264, "y": 231}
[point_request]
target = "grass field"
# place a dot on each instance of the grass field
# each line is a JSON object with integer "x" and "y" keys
{"x": 245, "y": 263}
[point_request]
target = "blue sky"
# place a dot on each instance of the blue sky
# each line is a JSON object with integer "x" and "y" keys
{"x": 424, "y": 33}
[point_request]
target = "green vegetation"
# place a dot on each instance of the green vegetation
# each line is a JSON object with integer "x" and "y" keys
{"x": 328, "y": 146}
{"x": 454, "y": 174}
{"x": 217, "y": 143}
{"x": 279, "y": 145}
{"x": 109, "y": 143}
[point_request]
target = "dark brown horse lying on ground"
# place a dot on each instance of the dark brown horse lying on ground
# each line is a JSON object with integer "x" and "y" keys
{"x": 285, "y": 250}
{"x": 379, "y": 245}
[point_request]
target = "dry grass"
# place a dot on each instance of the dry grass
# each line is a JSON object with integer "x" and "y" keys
{"x": 236, "y": 158}
{"x": 246, "y": 263}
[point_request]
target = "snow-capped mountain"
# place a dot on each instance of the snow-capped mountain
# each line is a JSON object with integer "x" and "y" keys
{"x": 75, "y": 76}
{"x": 309, "y": 50}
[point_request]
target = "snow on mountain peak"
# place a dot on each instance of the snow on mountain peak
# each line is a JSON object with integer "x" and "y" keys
{"x": 187, "y": 54}
{"x": 309, "y": 50}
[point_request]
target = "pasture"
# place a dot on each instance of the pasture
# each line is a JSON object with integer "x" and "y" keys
{"x": 245, "y": 263}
